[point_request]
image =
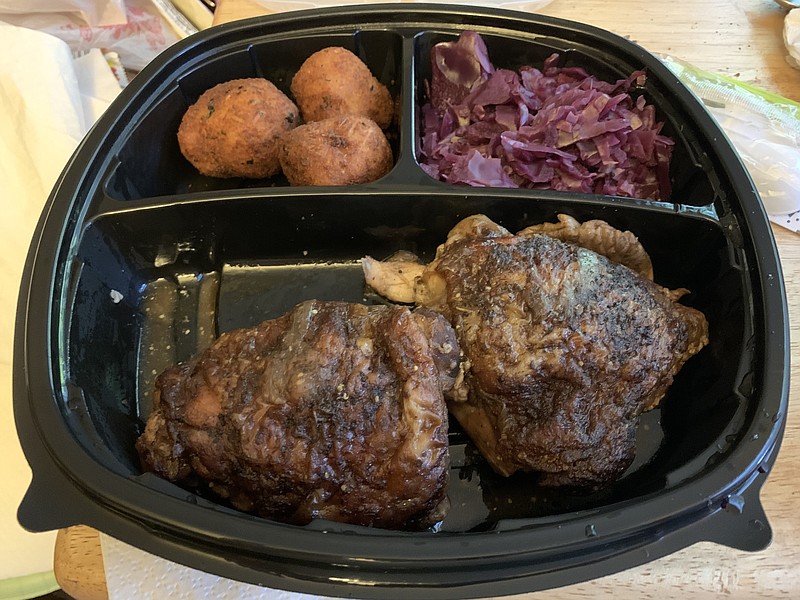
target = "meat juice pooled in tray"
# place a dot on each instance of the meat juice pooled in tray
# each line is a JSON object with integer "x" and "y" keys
{"x": 564, "y": 345}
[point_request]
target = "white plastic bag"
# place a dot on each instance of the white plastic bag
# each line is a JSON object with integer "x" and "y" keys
{"x": 92, "y": 12}
{"x": 140, "y": 35}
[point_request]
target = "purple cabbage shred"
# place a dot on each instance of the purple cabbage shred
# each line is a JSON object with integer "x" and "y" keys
{"x": 556, "y": 128}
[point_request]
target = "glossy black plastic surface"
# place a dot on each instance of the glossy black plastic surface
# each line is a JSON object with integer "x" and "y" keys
{"x": 140, "y": 262}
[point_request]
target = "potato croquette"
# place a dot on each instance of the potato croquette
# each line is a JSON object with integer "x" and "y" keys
{"x": 334, "y": 82}
{"x": 336, "y": 151}
{"x": 234, "y": 128}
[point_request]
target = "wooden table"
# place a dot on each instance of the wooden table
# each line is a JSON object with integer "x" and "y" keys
{"x": 741, "y": 38}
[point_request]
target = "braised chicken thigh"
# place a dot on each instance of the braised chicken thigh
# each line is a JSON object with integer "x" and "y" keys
{"x": 333, "y": 410}
{"x": 563, "y": 347}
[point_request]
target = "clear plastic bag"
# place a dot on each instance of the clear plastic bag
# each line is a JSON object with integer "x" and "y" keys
{"x": 763, "y": 127}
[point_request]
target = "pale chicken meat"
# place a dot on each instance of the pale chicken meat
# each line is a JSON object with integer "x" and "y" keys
{"x": 333, "y": 410}
{"x": 563, "y": 347}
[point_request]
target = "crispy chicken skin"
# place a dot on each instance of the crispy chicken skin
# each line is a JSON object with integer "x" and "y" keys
{"x": 563, "y": 347}
{"x": 333, "y": 410}
{"x": 234, "y": 128}
{"x": 334, "y": 82}
{"x": 338, "y": 151}
{"x": 620, "y": 246}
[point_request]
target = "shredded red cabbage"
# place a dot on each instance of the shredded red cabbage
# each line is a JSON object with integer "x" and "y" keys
{"x": 558, "y": 128}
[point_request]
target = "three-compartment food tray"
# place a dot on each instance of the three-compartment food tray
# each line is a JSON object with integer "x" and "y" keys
{"x": 139, "y": 262}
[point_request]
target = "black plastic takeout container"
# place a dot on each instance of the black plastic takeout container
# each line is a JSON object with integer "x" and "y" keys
{"x": 138, "y": 262}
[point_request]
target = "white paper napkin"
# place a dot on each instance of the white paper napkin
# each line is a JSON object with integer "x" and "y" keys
{"x": 132, "y": 573}
{"x": 48, "y": 101}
